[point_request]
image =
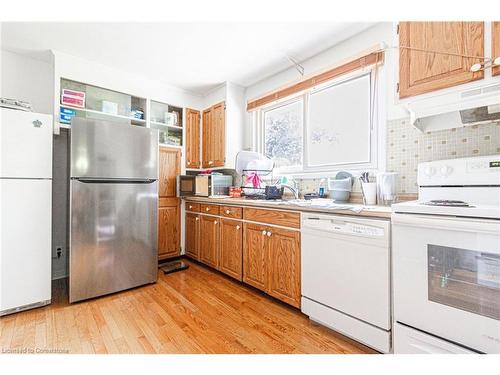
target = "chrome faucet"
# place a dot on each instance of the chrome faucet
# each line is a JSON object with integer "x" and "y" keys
{"x": 295, "y": 191}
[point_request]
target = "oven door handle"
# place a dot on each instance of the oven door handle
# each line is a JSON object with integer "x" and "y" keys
{"x": 488, "y": 226}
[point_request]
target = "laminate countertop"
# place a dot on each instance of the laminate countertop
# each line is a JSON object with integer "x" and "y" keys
{"x": 319, "y": 206}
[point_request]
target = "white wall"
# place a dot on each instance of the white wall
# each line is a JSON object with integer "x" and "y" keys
{"x": 379, "y": 33}
{"x": 215, "y": 96}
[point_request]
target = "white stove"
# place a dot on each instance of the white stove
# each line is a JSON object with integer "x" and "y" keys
{"x": 468, "y": 187}
{"x": 446, "y": 259}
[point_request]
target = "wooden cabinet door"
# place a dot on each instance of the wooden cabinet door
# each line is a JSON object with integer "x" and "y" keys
{"x": 218, "y": 134}
{"x": 421, "y": 71}
{"x": 192, "y": 138}
{"x": 495, "y": 44}
{"x": 192, "y": 238}
{"x": 170, "y": 167}
{"x": 231, "y": 250}
{"x": 209, "y": 240}
{"x": 168, "y": 228}
{"x": 283, "y": 259}
{"x": 206, "y": 144}
{"x": 254, "y": 255}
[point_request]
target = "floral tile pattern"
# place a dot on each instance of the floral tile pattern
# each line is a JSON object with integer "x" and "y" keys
{"x": 407, "y": 146}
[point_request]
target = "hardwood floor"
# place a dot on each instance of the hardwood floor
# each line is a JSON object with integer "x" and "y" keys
{"x": 193, "y": 311}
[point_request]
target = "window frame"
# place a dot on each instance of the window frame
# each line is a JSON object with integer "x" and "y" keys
{"x": 376, "y": 130}
{"x": 288, "y": 101}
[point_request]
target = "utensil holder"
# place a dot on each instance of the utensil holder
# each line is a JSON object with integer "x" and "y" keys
{"x": 369, "y": 190}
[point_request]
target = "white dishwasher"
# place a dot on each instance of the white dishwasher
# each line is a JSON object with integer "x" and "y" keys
{"x": 346, "y": 276}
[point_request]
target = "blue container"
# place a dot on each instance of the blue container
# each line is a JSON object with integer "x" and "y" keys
{"x": 66, "y": 115}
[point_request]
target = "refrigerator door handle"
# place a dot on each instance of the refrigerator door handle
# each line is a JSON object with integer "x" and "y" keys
{"x": 90, "y": 180}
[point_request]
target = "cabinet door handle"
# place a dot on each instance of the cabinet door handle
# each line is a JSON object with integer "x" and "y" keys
{"x": 264, "y": 232}
{"x": 228, "y": 212}
{"x": 269, "y": 234}
{"x": 207, "y": 209}
{"x": 210, "y": 162}
{"x": 237, "y": 227}
{"x": 215, "y": 222}
{"x": 190, "y": 207}
{"x": 189, "y": 163}
{"x": 197, "y": 219}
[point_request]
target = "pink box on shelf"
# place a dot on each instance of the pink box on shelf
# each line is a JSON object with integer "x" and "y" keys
{"x": 73, "y": 98}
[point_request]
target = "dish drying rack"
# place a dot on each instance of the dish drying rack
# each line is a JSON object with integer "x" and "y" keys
{"x": 245, "y": 162}
{"x": 257, "y": 192}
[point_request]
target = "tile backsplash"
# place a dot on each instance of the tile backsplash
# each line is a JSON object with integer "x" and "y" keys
{"x": 407, "y": 146}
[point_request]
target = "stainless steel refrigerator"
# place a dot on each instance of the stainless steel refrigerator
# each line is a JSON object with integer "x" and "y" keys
{"x": 113, "y": 208}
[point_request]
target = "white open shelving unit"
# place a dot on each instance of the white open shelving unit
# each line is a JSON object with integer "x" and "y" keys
{"x": 167, "y": 118}
{"x": 101, "y": 113}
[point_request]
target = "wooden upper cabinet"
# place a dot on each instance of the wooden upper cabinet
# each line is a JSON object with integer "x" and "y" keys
{"x": 255, "y": 255}
{"x": 170, "y": 167}
{"x": 168, "y": 228}
{"x": 495, "y": 45}
{"x": 206, "y": 137}
{"x": 219, "y": 134}
{"x": 209, "y": 237}
{"x": 213, "y": 136}
{"x": 192, "y": 138}
{"x": 423, "y": 69}
{"x": 231, "y": 248}
{"x": 193, "y": 235}
{"x": 283, "y": 281}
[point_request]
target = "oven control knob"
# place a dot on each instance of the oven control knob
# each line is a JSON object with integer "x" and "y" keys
{"x": 445, "y": 170}
{"x": 429, "y": 171}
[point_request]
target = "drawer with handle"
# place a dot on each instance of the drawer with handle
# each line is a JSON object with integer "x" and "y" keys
{"x": 231, "y": 211}
{"x": 193, "y": 207}
{"x": 274, "y": 217}
{"x": 209, "y": 209}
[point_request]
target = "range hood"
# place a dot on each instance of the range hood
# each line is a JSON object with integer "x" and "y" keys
{"x": 456, "y": 109}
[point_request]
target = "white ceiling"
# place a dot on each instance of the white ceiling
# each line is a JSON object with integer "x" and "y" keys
{"x": 194, "y": 56}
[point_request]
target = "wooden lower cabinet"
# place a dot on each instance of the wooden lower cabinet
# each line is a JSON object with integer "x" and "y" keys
{"x": 192, "y": 242}
{"x": 271, "y": 261}
{"x": 255, "y": 255}
{"x": 231, "y": 248}
{"x": 209, "y": 240}
{"x": 261, "y": 255}
{"x": 168, "y": 228}
{"x": 283, "y": 265}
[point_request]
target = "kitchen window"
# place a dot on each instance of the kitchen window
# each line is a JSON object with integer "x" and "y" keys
{"x": 283, "y": 134}
{"x": 325, "y": 129}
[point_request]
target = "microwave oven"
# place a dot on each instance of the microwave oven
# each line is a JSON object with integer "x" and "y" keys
{"x": 204, "y": 185}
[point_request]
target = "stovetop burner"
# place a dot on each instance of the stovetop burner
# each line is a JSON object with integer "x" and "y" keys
{"x": 447, "y": 203}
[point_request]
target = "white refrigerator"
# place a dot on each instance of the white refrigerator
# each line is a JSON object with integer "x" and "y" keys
{"x": 25, "y": 210}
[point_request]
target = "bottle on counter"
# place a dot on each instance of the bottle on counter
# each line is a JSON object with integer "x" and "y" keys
{"x": 322, "y": 188}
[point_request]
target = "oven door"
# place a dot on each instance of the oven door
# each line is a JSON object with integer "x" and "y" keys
{"x": 447, "y": 278}
{"x": 186, "y": 185}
